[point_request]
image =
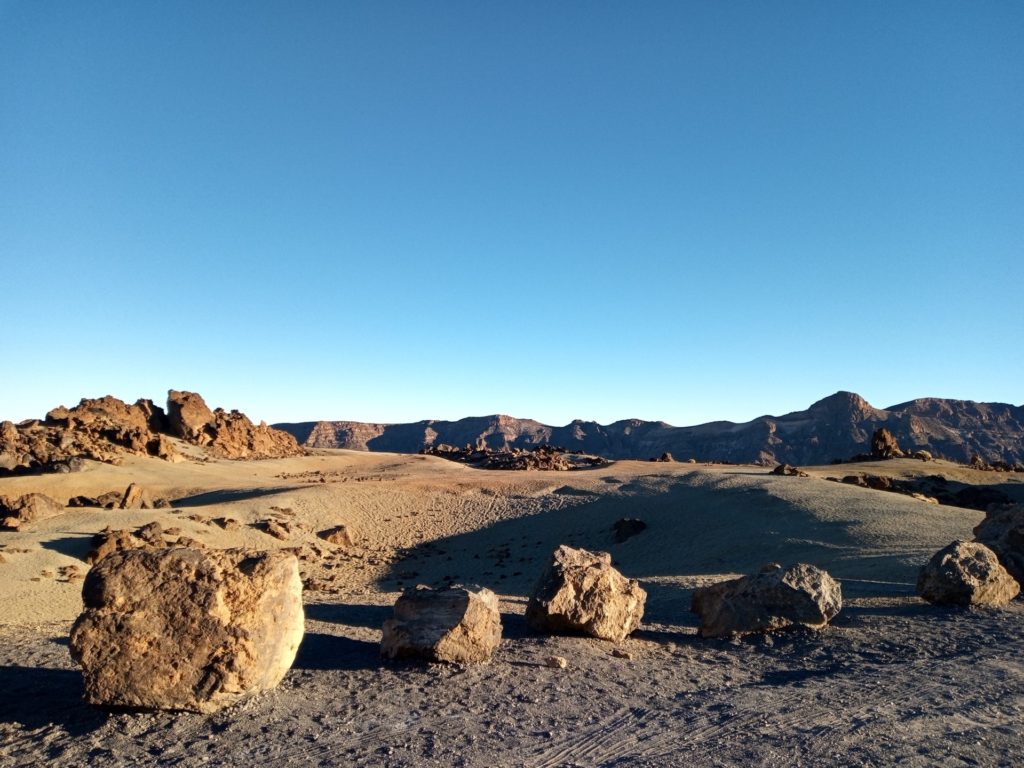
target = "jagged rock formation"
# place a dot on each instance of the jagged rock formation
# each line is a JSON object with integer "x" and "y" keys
{"x": 837, "y": 427}
{"x": 105, "y": 429}
{"x": 184, "y": 629}
{"x": 580, "y": 593}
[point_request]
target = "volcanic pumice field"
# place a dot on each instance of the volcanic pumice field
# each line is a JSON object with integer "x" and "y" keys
{"x": 889, "y": 680}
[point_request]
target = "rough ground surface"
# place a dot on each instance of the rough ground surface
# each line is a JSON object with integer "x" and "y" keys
{"x": 892, "y": 680}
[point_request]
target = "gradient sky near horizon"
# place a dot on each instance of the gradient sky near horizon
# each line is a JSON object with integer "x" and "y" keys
{"x": 683, "y": 211}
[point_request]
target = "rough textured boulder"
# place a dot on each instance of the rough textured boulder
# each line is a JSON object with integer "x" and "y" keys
{"x": 581, "y": 593}
{"x": 773, "y": 599}
{"x": 884, "y": 445}
{"x": 1002, "y": 531}
{"x": 18, "y": 512}
{"x": 966, "y": 573}
{"x": 788, "y": 471}
{"x": 185, "y": 629}
{"x": 457, "y": 625}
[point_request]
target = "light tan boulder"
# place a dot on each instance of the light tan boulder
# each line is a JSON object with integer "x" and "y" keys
{"x": 184, "y": 629}
{"x": 966, "y": 573}
{"x": 773, "y": 599}
{"x": 18, "y": 512}
{"x": 459, "y": 625}
{"x": 581, "y": 593}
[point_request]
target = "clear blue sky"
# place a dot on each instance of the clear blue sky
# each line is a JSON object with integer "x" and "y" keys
{"x": 395, "y": 211}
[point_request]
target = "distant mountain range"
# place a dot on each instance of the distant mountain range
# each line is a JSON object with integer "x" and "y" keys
{"x": 837, "y": 427}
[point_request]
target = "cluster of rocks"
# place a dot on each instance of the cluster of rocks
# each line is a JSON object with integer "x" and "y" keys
{"x": 995, "y": 466}
{"x": 17, "y": 512}
{"x": 986, "y": 571}
{"x": 150, "y": 536}
{"x": 541, "y": 457}
{"x": 106, "y": 429}
{"x": 786, "y": 470}
{"x": 171, "y": 626}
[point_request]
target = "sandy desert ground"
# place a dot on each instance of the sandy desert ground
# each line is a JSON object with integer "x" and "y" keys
{"x": 894, "y": 681}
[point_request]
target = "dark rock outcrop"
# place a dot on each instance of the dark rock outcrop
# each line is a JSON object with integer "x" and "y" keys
{"x": 1002, "y": 531}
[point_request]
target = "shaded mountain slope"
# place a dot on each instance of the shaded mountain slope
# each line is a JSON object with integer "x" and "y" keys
{"x": 839, "y": 426}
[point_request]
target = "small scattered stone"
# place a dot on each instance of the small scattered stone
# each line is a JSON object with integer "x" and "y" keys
{"x": 621, "y": 654}
{"x": 556, "y": 662}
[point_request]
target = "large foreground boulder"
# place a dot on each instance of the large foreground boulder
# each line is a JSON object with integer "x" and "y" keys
{"x": 776, "y": 598}
{"x": 966, "y": 573}
{"x": 581, "y": 593}
{"x": 1002, "y": 531}
{"x": 458, "y": 625}
{"x": 22, "y": 510}
{"x": 185, "y": 629}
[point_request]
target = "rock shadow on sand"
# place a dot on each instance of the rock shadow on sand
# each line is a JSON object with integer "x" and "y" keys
{"x": 227, "y": 496}
{"x": 321, "y": 651}
{"x": 692, "y": 531}
{"x": 37, "y": 697}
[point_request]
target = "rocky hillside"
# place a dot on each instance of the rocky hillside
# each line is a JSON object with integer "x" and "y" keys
{"x": 104, "y": 429}
{"x": 840, "y": 426}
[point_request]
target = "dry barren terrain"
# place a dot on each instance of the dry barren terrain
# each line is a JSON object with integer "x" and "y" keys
{"x": 893, "y": 681}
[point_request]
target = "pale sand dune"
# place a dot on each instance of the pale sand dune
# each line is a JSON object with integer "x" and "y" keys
{"x": 425, "y": 520}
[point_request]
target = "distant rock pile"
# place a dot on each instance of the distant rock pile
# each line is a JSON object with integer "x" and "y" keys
{"x": 542, "y": 457}
{"x": 107, "y": 429}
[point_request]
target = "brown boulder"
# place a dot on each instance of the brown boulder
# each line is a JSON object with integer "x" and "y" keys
{"x": 457, "y": 625}
{"x": 581, "y": 593}
{"x": 340, "y": 535}
{"x": 20, "y": 511}
{"x": 1002, "y": 531}
{"x": 966, "y": 573}
{"x": 184, "y": 629}
{"x": 135, "y": 497}
{"x": 189, "y": 418}
{"x": 884, "y": 445}
{"x": 773, "y": 599}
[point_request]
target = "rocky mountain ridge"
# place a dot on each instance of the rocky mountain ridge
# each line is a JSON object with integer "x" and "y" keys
{"x": 836, "y": 427}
